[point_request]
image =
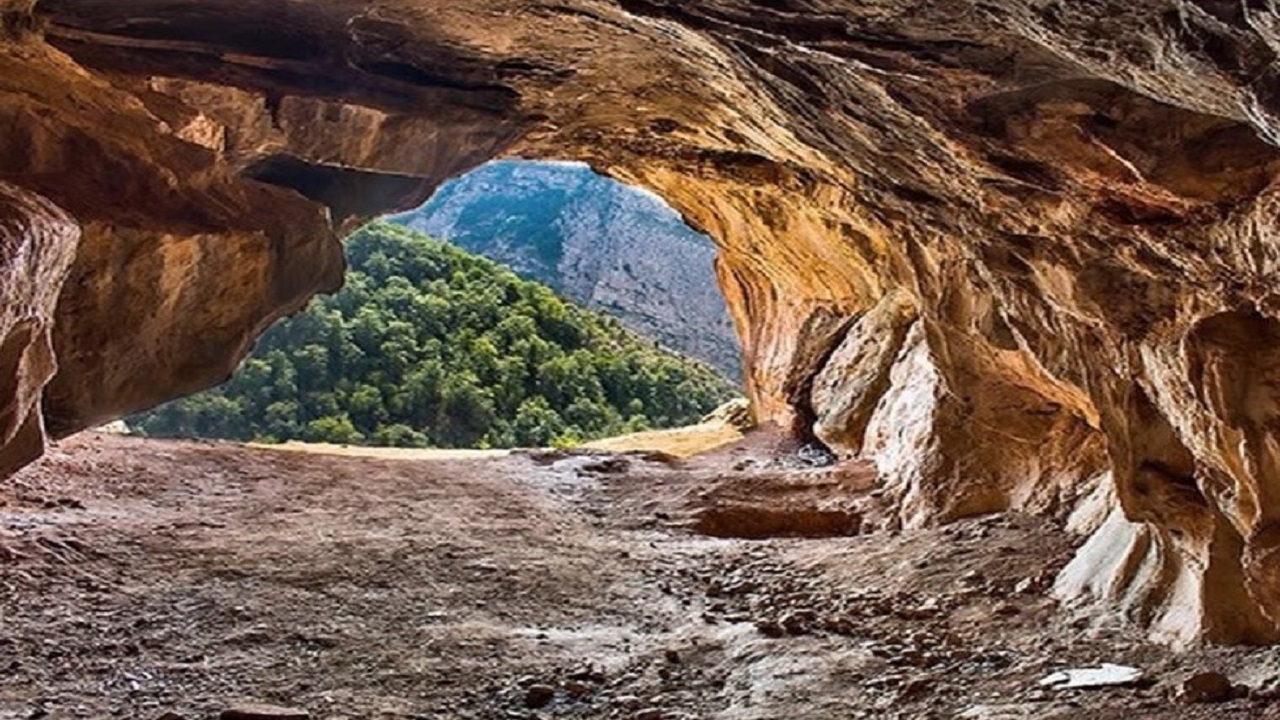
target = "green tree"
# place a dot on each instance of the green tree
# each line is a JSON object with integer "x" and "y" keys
{"x": 427, "y": 345}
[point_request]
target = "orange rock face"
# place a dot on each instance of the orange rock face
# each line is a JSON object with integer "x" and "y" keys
{"x": 1022, "y": 255}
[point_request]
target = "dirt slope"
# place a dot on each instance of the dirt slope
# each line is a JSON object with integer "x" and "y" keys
{"x": 140, "y": 577}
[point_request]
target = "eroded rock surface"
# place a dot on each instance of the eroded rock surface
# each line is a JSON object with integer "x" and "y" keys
{"x": 1019, "y": 254}
{"x": 37, "y": 245}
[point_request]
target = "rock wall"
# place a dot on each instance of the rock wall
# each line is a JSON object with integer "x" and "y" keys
{"x": 37, "y": 246}
{"x": 1019, "y": 253}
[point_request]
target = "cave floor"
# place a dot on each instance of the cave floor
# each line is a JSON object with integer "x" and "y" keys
{"x": 140, "y": 577}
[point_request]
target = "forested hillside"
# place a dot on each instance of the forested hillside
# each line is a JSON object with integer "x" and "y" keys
{"x": 429, "y": 346}
{"x": 596, "y": 241}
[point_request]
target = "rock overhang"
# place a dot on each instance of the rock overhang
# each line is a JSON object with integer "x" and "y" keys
{"x": 1021, "y": 255}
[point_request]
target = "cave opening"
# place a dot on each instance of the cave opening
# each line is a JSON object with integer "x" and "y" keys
{"x": 601, "y": 243}
{"x": 525, "y": 304}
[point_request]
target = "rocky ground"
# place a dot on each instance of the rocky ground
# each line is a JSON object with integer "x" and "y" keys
{"x": 139, "y": 578}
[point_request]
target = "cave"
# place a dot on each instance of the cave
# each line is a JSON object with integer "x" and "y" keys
{"x": 1020, "y": 256}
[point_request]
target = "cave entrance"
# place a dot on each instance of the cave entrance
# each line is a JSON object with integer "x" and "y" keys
{"x": 607, "y": 320}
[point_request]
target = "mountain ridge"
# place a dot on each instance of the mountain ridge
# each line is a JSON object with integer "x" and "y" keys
{"x": 603, "y": 244}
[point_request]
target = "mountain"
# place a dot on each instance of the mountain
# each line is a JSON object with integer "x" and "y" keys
{"x": 600, "y": 243}
{"x": 430, "y": 346}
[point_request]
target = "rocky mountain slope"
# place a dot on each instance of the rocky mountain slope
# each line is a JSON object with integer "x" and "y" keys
{"x": 1019, "y": 254}
{"x": 596, "y": 241}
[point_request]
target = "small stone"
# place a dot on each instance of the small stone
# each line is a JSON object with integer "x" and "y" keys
{"x": 264, "y": 712}
{"x": 650, "y": 714}
{"x": 771, "y": 628}
{"x": 588, "y": 674}
{"x": 172, "y": 716}
{"x": 1207, "y": 687}
{"x": 915, "y": 689}
{"x": 673, "y": 656}
{"x": 627, "y": 701}
{"x": 577, "y": 688}
{"x": 539, "y": 695}
{"x": 795, "y": 624}
{"x": 1105, "y": 675}
{"x": 1007, "y": 609}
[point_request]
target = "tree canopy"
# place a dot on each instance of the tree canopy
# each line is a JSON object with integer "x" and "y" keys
{"x": 429, "y": 346}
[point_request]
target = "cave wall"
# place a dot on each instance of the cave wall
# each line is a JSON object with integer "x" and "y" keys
{"x": 1021, "y": 254}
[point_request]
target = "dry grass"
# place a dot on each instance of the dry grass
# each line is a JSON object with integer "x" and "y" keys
{"x": 382, "y": 453}
{"x": 680, "y": 442}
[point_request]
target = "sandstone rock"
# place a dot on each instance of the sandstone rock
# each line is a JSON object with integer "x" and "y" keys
{"x": 848, "y": 388}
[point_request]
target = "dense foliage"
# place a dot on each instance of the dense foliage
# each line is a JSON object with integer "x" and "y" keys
{"x": 428, "y": 346}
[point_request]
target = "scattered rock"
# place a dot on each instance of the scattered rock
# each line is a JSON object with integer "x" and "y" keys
{"x": 1019, "y": 711}
{"x": 577, "y": 688}
{"x": 796, "y": 623}
{"x": 1207, "y": 687}
{"x": 771, "y": 628}
{"x": 608, "y": 466}
{"x": 814, "y": 455}
{"x": 1007, "y": 609}
{"x": 263, "y": 712}
{"x": 650, "y": 714}
{"x": 1027, "y": 586}
{"x": 588, "y": 674}
{"x": 539, "y": 695}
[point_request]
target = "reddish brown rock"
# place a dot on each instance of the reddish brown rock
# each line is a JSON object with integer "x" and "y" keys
{"x": 1020, "y": 255}
{"x": 1207, "y": 687}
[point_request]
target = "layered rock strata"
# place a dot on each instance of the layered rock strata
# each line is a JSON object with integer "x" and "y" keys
{"x": 1019, "y": 253}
